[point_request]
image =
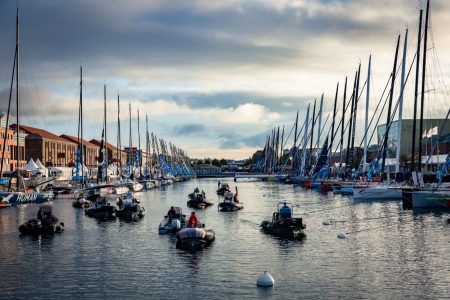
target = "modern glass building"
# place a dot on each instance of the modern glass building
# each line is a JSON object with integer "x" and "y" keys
{"x": 406, "y": 136}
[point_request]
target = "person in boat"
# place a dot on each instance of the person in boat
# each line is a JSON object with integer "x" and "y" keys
{"x": 203, "y": 193}
{"x": 120, "y": 202}
{"x": 235, "y": 198}
{"x": 171, "y": 213}
{"x": 193, "y": 220}
{"x": 285, "y": 212}
{"x": 45, "y": 215}
{"x": 196, "y": 190}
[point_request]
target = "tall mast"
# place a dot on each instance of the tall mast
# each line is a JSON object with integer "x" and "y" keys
{"x": 295, "y": 135}
{"x": 320, "y": 121}
{"x": 130, "y": 138}
{"x": 139, "y": 143}
{"x": 391, "y": 95}
{"x": 305, "y": 140}
{"x": 366, "y": 118}
{"x": 312, "y": 134}
{"x": 104, "y": 126}
{"x": 334, "y": 118}
{"x": 342, "y": 124}
{"x": 147, "y": 148}
{"x": 416, "y": 94}
{"x": 400, "y": 107}
{"x": 422, "y": 98}
{"x": 355, "y": 113}
{"x": 81, "y": 129}
{"x": 17, "y": 100}
{"x": 347, "y": 156}
{"x": 130, "y": 151}
{"x": 119, "y": 152}
{"x": 281, "y": 146}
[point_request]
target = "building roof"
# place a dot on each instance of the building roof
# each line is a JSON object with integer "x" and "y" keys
{"x": 108, "y": 145}
{"x": 74, "y": 139}
{"x": 40, "y": 132}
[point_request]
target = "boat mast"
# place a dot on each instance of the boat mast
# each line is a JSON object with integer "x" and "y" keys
{"x": 81, "y": 129}
{"x": 106, "y": 141}
{"x": 416, "y": 94}
{"x": 312, "y": 135}
{"x": 356, "y": 97}
{"x": 341, "y": 149}
{"x": 332, "y": 123}
{"x": 130, "y": 143}
{"x": 366, "y": 118}
{"x": 347, "y": 156}
{"x": 320, "y": 122}
{"x": 422, "y": 98}
{"x": 119, "y": 152}
{"x": 305, "y": 140}
{"x": 391, "y": 95}
{"x": 17, "y": 101}
{"x": 281, "y": 146}
{"x": 139, "y": 145}
{"x": 400, "y": 108}
{"x": 147, "y": 148}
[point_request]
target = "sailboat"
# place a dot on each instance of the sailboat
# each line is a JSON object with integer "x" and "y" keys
{"x": 20, "y": 196}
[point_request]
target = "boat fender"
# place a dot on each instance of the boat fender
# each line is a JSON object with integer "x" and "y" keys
{"x": 265, "y": 280}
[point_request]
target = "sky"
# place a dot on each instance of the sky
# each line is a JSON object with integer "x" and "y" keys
{"x": 213, "y": 77}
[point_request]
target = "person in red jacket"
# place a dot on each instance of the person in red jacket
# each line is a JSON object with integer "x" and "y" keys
{"x": 193, "y": 220}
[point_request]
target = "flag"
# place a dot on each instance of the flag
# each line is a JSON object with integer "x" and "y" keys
{"x": 424, "y": 134}
{"x": 432, "y": 131}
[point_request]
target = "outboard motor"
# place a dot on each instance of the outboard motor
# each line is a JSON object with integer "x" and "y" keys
{"x": 176, "y": 224}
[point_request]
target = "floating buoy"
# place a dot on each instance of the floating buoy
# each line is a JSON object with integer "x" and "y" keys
{"x": 265, "y": 280}
{"x": 327, "y": 222}
{"x": 342, "y": 234}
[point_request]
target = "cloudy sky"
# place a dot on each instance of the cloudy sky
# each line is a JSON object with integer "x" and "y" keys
{"x": 214, "y": 77}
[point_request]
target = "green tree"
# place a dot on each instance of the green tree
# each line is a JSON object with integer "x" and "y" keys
{"x": 223, "y": 162}
{"x": 207, "y": 161}
{"x": 215, "y": 162}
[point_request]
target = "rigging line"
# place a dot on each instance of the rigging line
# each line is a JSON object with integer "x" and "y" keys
{"x": 397, "y": 103}
{"x": 348, "y": 122}
{"x": 437, "y": 56}
{"x": 388, "y": 126}
{"x": 7, "y": 115}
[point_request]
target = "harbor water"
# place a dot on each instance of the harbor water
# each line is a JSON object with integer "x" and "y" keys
{"x": 389, "y": 253}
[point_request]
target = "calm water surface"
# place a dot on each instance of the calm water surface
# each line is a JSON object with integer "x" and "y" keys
{"x": 389, "y": 253}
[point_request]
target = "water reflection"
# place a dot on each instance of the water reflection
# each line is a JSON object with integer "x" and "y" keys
{"x": 390, "y": 253}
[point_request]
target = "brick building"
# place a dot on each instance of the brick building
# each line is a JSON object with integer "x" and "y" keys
{"x": 90, "y": 150}
{"x": 112, "y": 153}
{"x": 52, "y": 150}
{"x": 8, "y": 144}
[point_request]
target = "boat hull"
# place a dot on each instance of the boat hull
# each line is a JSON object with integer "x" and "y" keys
{"x": 35, "y": 227}
{"x": 228, "y": 207}
{"x": 377, "y": 192}
{"x": 431, "y": 199}
{"x": 194, "y": 239}
{"x": 287, "y": 228}
{"x": 16, "y": 198}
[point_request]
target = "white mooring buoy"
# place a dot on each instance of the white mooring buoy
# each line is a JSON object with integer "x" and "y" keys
{"x": 327, "y": 222}
{"x": 342, "y": 234}
{"x": 265, "y": 280}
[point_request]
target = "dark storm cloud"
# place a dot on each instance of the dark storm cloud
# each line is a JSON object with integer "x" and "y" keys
{"x": 189, "y": 129}
{"x": 233, "y": 141}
